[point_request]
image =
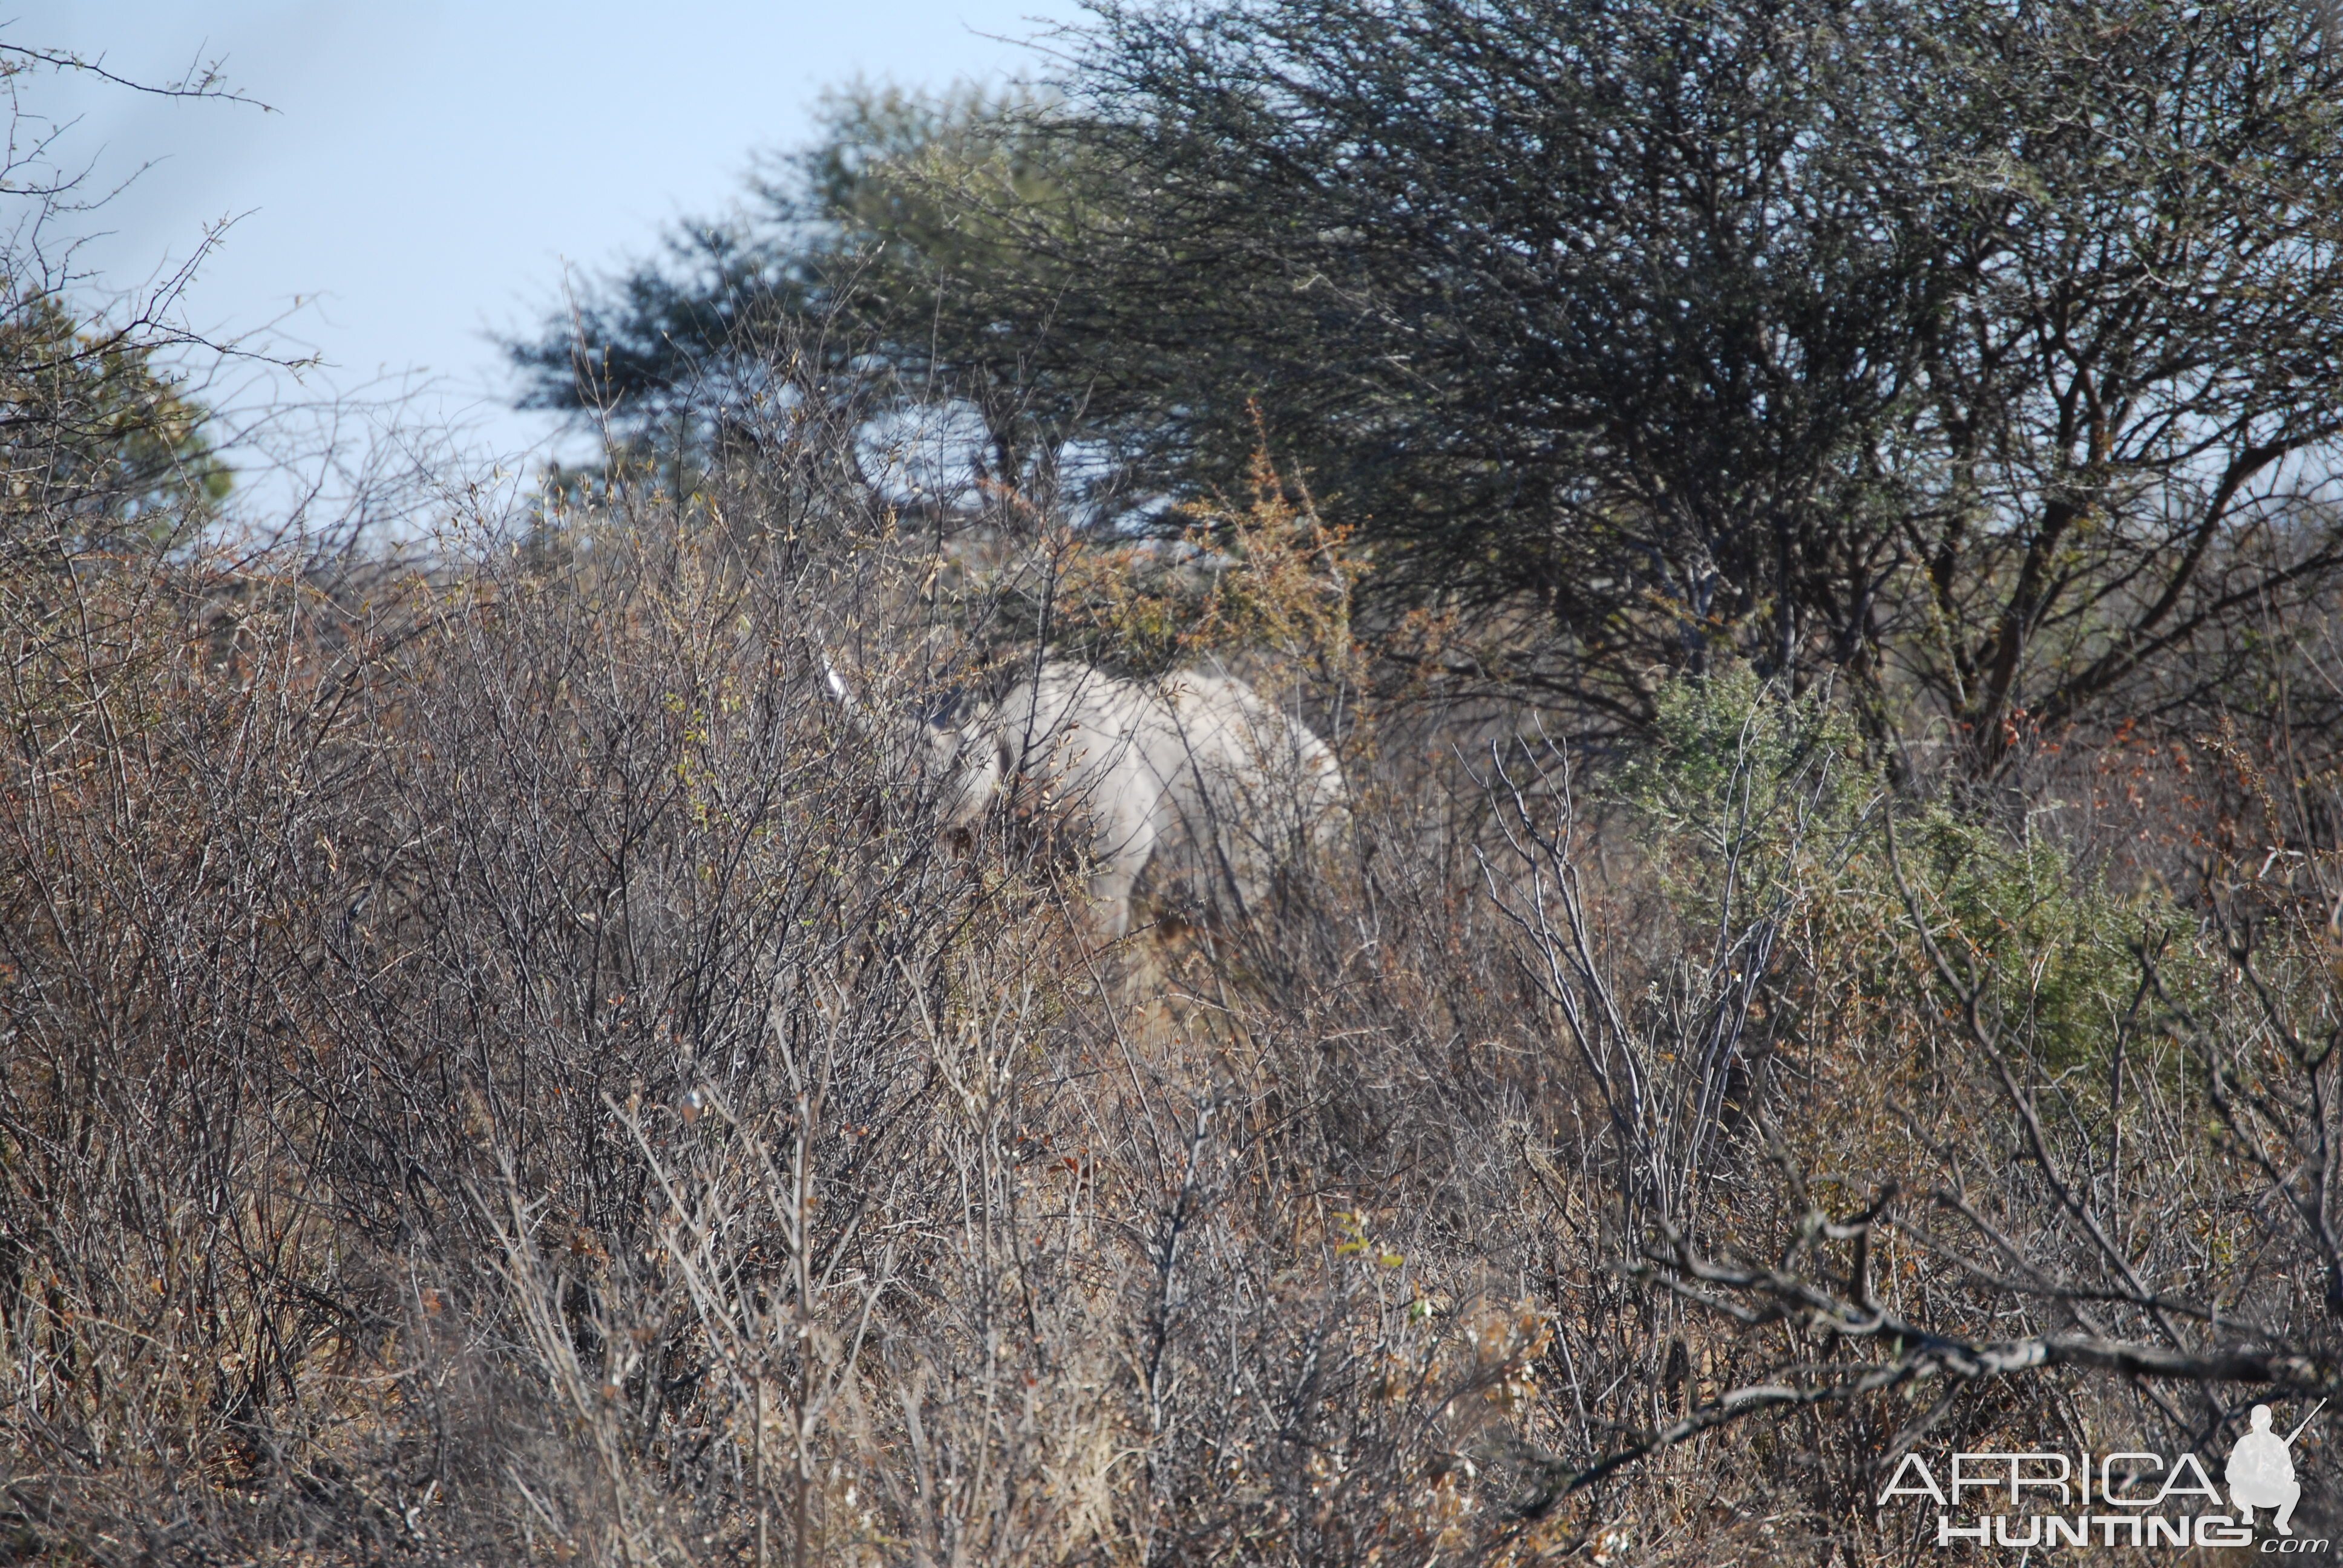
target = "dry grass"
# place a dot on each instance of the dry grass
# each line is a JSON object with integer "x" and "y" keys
{"x": 497, "y": 1070}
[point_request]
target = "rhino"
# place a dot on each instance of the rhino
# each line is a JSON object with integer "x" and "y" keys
{"x": 1192, "y": 780}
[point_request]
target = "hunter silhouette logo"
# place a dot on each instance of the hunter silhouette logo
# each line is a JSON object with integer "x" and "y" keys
{"x": 2261, "y": 1469}
{"x": 2038, "y": 1498}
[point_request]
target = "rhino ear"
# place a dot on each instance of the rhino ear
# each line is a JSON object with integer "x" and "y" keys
{"x": 835, "y": 686}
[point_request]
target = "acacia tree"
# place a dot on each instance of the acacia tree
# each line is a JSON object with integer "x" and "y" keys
{"x": 1601, "y": 308}
{"x": 1987, "y": 352}
{"x": 2130, "y": 403}
{"x": 855, "y": 276}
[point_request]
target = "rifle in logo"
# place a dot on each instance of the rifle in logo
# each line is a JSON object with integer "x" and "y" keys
{"x": 2261, "y": 1469}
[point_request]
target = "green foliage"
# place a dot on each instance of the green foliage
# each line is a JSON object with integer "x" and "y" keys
{"x": 868, "y": 255}
{"x": 1737, "y": 762}
{"x": 98, "y": 446}
{"x": 2051, "y": 948}
{"x": 1749, "y": 794}
{"x": 900, "y": 175}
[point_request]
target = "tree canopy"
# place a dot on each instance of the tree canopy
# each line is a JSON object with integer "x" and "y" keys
{"x": 99, "y": 444}
{"x": 846, "y": 276}
{"x": 93, "y": 436}
{"x": 1984, "y": 352}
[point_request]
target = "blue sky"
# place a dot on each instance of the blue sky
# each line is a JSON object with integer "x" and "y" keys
{"x": 431, "y": 168}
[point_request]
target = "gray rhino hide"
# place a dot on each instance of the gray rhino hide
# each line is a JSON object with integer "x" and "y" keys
{"x": 1193, "y": 781}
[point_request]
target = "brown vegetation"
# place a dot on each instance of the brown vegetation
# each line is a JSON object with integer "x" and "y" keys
{"x": 497, "y": 1070}
{"x": 494, "y": 1067}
